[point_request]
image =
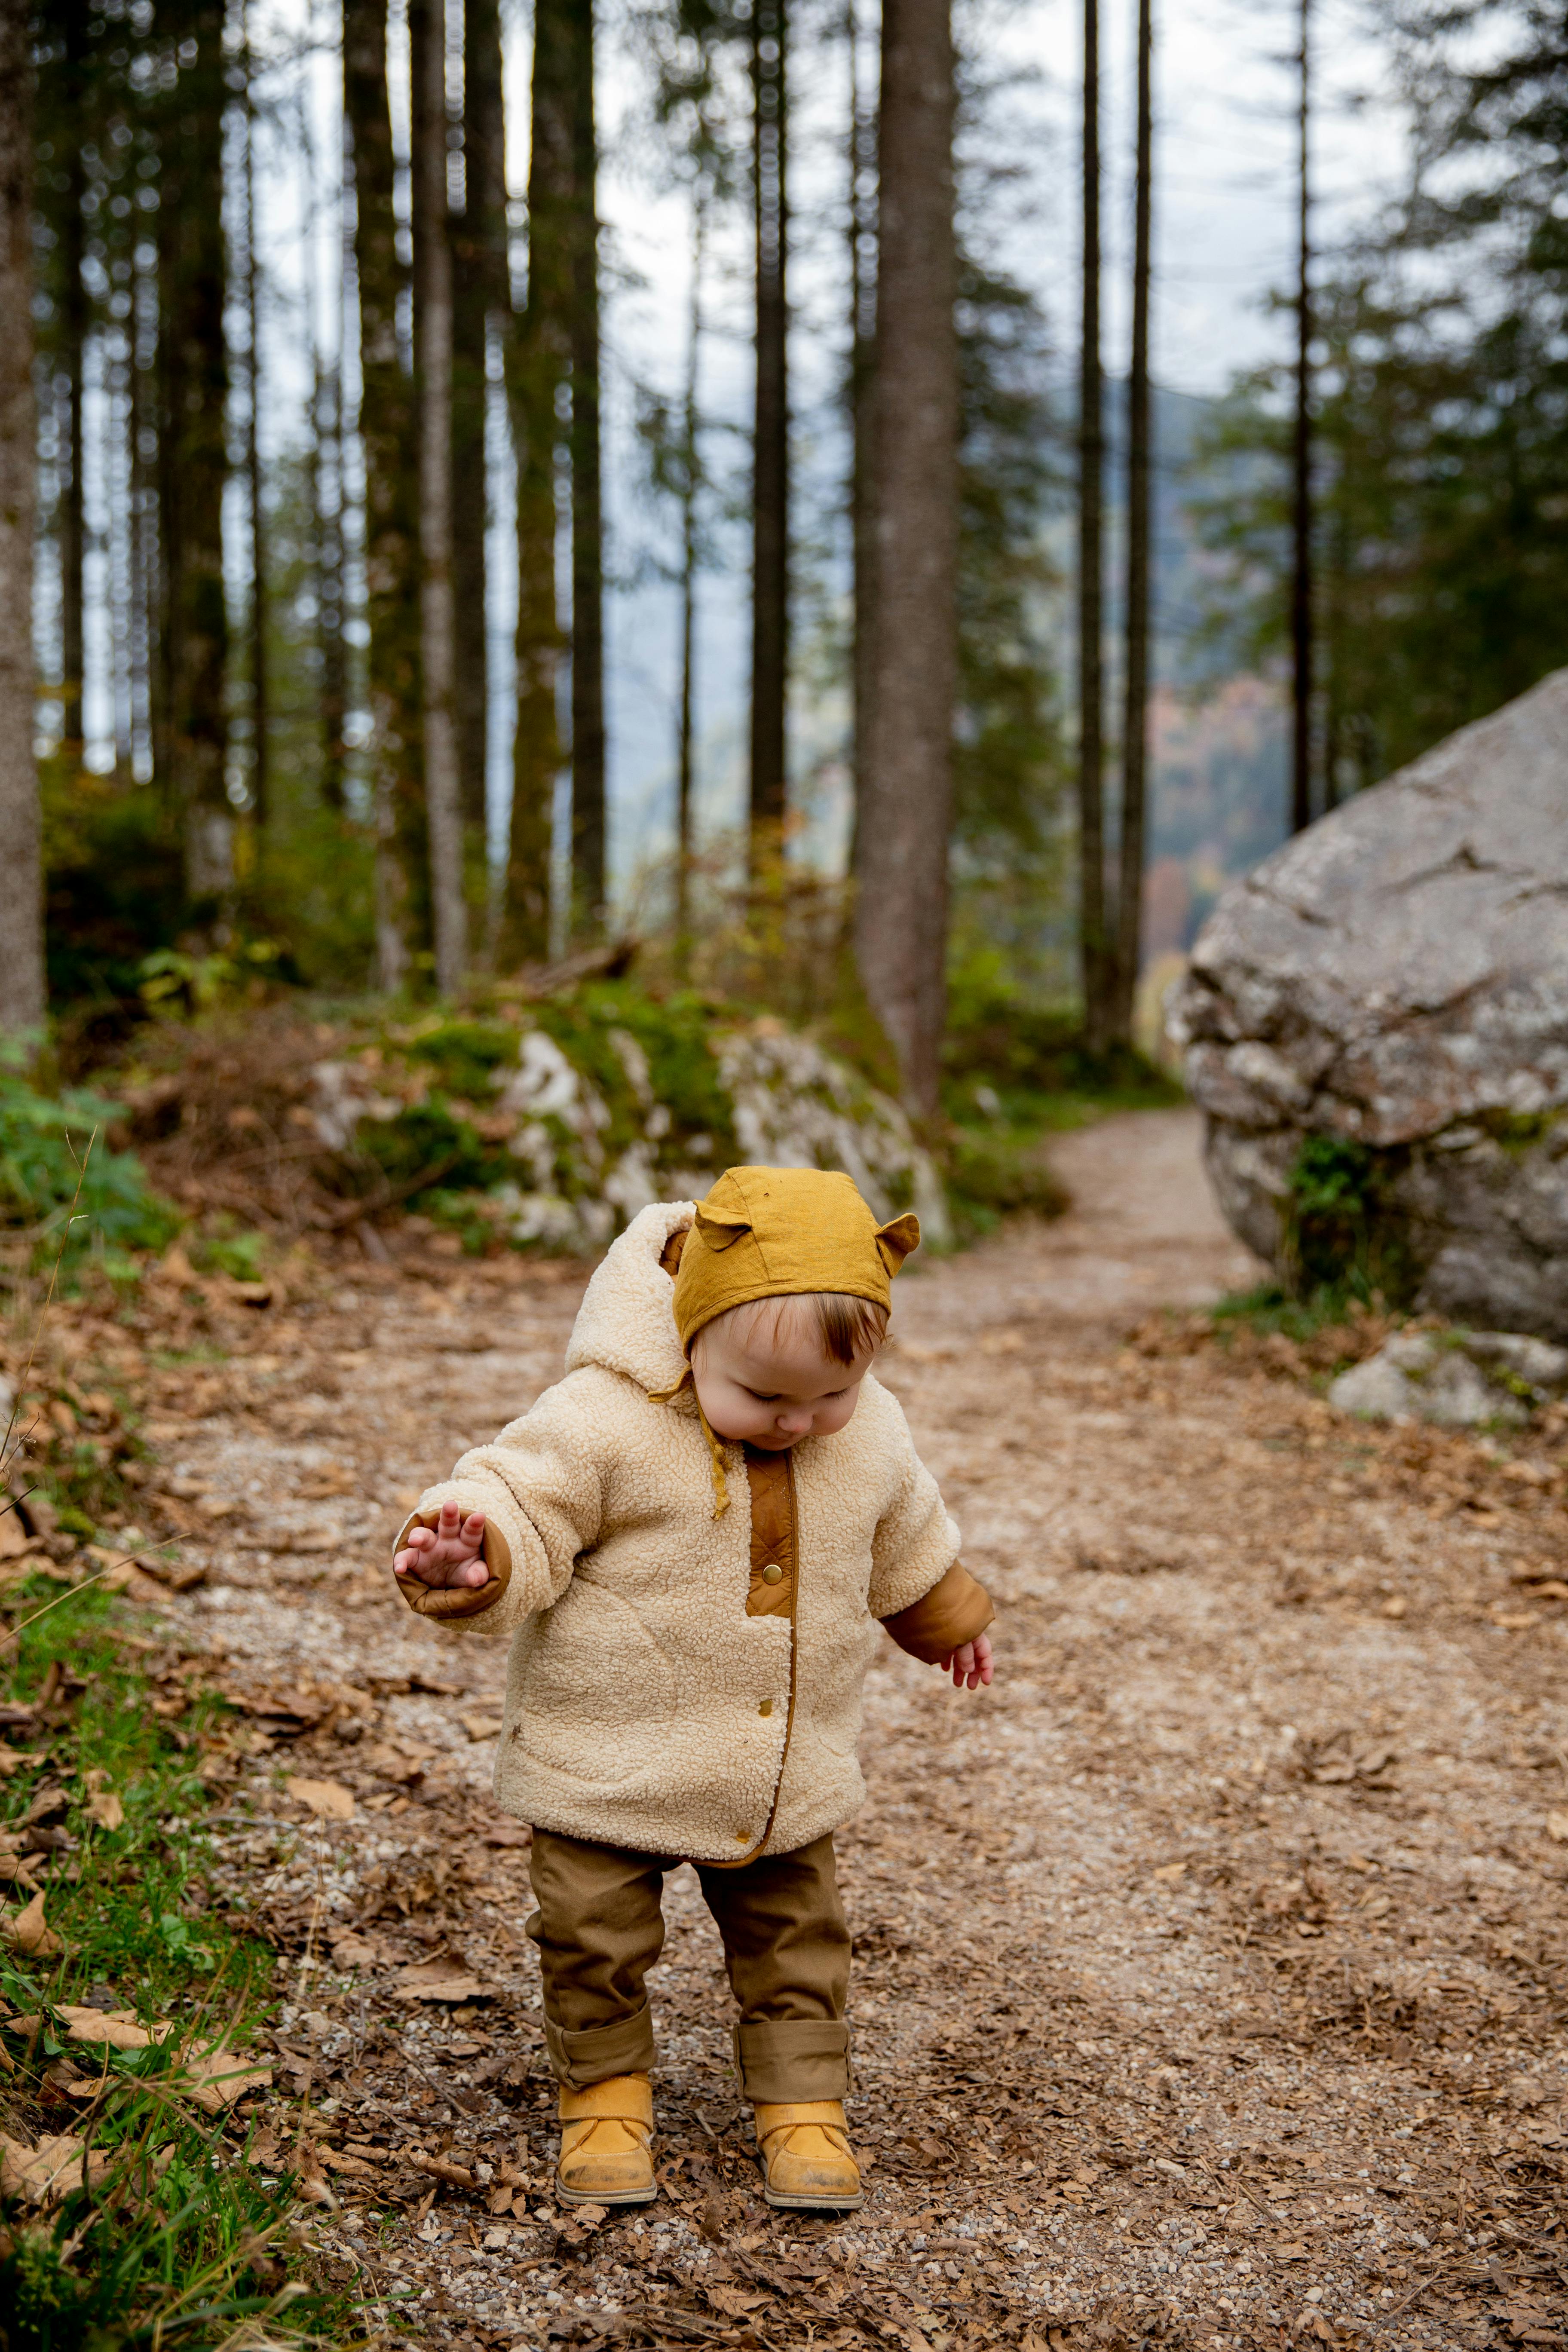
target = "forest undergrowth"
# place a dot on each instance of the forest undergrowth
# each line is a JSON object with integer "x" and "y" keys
{"x": 1208, "y": 1974}
{"x": 136, "y": 2212}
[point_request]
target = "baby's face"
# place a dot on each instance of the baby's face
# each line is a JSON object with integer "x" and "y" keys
{"x": 768, "y": 1384}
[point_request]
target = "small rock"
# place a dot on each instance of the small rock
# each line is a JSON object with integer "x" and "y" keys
{"x": 1458, "y": 1379}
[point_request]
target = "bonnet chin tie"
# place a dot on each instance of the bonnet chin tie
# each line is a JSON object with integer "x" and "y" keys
{"x": 667, "y": 1396}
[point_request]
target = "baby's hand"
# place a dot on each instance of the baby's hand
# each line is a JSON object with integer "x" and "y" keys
{"x": 971, "y": 1666}
{"x": 448, "y": 1554}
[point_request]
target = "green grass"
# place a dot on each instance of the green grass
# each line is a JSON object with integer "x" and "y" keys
{"x": 181, "y": 2242}
{"x": 1268, "y": 1309}
{"x": 62, "y": 1185}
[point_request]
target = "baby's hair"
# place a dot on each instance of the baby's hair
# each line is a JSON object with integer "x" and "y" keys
{"x": 845, "y": 1327}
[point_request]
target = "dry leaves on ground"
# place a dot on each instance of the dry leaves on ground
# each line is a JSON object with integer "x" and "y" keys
{"x": 28, "y": 1932}
{"x": 327, "y": 1799}
{"x": 43, "y": 2175}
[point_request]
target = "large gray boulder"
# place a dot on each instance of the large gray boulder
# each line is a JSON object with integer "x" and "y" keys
{"x": 1396, "y": 979}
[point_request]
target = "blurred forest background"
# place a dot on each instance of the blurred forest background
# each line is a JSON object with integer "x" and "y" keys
{"x": 864, "y": 643}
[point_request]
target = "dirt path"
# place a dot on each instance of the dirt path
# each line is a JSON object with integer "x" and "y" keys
{"x": 1210, "y": 1980}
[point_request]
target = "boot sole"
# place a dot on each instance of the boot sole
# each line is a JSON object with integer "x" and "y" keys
{"x": 564, "y": 2196}
{"x": 786, "y": 2203}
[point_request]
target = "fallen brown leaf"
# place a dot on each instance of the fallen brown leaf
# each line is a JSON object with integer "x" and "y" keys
{"x": 481, "y": 1727}
{"x": 105, "y": 1808}
{"x": 314, "y": 2187}
{"x": 29, "y": 1932}
{"x": 212, "y": 2076}
{"x": 117, "y": 2030}
{"x": 351, "y": 1951}
{"x": 509, "y": 1833}
{"x": 42, "y": 2175}
{"x": 328, "y": 1798}
{"x": 456, "y": 2176}
{"x": 439, "y": 1981}
{"x": 734, "y": 2302}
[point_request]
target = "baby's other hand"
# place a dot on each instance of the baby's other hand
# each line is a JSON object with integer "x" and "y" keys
{"x": 971, "y": 1666}
{"x": 447, "y": 1555}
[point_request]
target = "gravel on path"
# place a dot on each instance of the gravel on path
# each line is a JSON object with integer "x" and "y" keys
{"x": 1209, "y": 1982}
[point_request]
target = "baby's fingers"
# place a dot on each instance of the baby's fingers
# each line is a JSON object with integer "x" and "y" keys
{"x": 448, "y": 1555}
{"x": 969, "y": 1665}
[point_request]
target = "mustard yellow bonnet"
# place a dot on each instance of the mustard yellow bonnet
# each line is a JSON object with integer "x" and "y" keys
{"x": 775, "y": 1232}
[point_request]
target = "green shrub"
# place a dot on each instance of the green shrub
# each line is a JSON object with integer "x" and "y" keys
{"x": 998, "y": 1175}
{"x": 466, "y": 1054}
{"x": 182, "y": 2253}
{"x": 426, "y": 1145}
{"x": 1342, "y": 1233}
{"x": 1025, "y": 1052}
{"x": 114, "y": 881}
{"x": 60, "y": 1179}
{"x": 238, "y": 1255}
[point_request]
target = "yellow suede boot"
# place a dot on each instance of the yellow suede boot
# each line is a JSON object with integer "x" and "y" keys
{"x": 807, "y": 2161}
{"x": 607, "y": 2134}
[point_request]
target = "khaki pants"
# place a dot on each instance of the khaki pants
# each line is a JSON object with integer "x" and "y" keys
{"x": 600, "y": 1927}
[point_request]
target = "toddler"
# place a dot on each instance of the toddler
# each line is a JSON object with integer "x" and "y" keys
{"x": 690, "y": 1544}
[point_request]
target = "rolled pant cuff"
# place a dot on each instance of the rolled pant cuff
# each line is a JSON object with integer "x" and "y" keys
{"x": 781, "y": 2061}
{"x": 623, "y": 2047}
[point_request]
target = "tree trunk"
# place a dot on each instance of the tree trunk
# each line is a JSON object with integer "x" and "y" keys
{"x": 433, "y": 364}
{"x": 536, "y": 371}
{"x": 193, "y": 452}
{"x": 260, "y": 778}
{"x": 150, "y": 749}
{"x": 327, "y": 499}
{"x": 21, "y": 885}
{"x": 71, "y": 110}
{"x": 1094, "y": 945}
{"x": 1301, "y": 471}
{"x": 1135, "y": 719}
{"x": 1335, "y": 716}
{"x": 480, "y": 298}
{"x": 389, "y": 440}
{"x": 862, "y": 220}
{"x": 588, "y": 806}
{"x": 769, "y": 478}
{"x": 900, "y": 917}
{"x": 690, "y": 481}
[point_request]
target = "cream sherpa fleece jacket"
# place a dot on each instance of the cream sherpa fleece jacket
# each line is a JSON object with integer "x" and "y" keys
{"x": 636, "y": 1681}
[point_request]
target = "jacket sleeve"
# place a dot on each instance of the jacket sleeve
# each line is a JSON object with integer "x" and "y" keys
{"x": 540, "y": 1486}
{"x": 915, "y": 1543}
{"x": 953, "y": 1612}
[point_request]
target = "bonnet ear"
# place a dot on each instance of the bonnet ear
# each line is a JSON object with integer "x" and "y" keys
{"x": 896, "y": 1239}
{"x": 721, "y": 1228}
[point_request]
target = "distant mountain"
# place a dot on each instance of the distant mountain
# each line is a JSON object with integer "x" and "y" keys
{"x": 1218, "y": 780}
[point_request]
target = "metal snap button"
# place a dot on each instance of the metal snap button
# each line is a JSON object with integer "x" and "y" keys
{"x": 773, "y": 1573}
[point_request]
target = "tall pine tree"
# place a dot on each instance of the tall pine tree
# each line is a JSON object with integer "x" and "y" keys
{"x": 589, "y": 809}
{"x": 481, "y": 304}
{"x": 901, "y": 900}
{"x": 539, "y": 364}
{"x": 192, "y": 455}
{"x": 770, "y": 432}
{"x": 21, "y": 891}
{"x": 389, "y": 440}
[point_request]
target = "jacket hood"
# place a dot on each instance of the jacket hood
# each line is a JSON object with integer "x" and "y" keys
{"x": 626, "y": 1321}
